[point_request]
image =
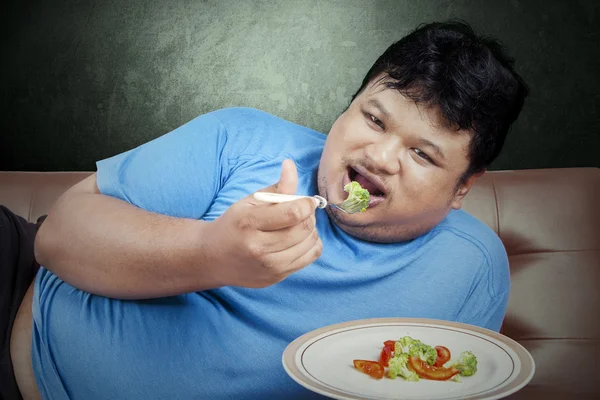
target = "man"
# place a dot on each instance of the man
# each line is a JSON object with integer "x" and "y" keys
{"x": 188, "y": 287}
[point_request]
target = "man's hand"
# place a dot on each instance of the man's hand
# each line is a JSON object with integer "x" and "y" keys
{"x": 255, "y": 244}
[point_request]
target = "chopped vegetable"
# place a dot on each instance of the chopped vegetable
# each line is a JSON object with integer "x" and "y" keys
{"x": 371, "y": 368}
{"x": 424, "y": 370}
{"x": 404, "y": 344}
{"x": 416, "y": 348}
{"x": 358, "y": 198}
{"x": 466, "y": 363}
{"x": 387, "y": 352}
{"x": 398, "y": 366}
{"x": 423, "y": 352}
{"x": 443, "y": 356}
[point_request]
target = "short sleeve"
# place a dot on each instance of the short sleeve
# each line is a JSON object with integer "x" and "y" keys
{"x": 477, "y": 267}
{"x": 487, "y": 312}
{"x": 178, "y": 174}
{"x": 487, "y": 301}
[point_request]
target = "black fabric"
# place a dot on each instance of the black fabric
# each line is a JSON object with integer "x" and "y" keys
{"x": 17, "y": 270}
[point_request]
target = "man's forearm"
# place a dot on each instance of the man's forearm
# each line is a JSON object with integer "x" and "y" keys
{"x": 106, "y": 246}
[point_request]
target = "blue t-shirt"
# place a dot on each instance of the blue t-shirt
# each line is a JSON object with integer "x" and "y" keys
{"x": 227, "y": 343}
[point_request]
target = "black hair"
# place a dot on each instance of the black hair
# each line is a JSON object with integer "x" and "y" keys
{"x": 469, "y": 78}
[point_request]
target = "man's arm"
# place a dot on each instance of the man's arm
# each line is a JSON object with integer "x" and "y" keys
{"x": 107, "y": 246}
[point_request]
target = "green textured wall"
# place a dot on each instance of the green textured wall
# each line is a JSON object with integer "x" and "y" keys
{"x": 83, "y": 80}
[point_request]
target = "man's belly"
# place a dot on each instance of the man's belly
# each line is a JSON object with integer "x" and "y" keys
{"x": 199, "y": 345}
{"x": 20, "y": 349}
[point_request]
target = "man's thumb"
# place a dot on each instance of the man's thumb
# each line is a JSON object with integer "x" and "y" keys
{"x": 288, "y": 180}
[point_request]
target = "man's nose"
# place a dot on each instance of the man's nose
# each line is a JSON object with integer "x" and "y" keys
{"x": 383, "y": 156}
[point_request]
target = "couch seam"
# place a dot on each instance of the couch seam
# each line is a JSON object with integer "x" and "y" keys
{"x": 497, "y": 208}
{"x": 31, "y": 198}
{"x": 570, "y": 338}
{"x": 552, "y": 251}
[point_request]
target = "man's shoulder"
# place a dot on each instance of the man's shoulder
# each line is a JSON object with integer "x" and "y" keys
{"x": 465, "y": 236}
{"x": 248, "y": 119}
{"x": 254, "y": 133}
{"x": 465, "y": 227}
{"x": 236, "y": 115}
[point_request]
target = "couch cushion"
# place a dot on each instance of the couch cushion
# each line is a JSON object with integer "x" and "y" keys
{"x": 31, "y": 194}
{"x": 548, "y": 210}
{"x": 554, "y": 295}
{"x": 549, "y": 222}
{"x": 565, "y": 369}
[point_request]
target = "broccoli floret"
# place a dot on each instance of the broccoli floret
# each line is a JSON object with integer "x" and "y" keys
{"x": 358, "y": 198}
{"x": 416, "y": 348}
{"x": 404, "y": 344}
{"x": 424, "y": 352}
{"x": 466, "y": 363}
{"x": 398, "y": 366}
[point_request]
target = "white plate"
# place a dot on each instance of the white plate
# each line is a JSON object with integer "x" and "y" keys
{"x": 322, "y": 360}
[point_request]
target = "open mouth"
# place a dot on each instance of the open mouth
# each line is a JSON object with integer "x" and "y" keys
{"x": 369, "y": 182}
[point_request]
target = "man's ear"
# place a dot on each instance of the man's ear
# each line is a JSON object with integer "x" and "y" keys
{"x": 464, "y": 189}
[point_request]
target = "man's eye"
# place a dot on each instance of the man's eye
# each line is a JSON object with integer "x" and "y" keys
{"x": 375, "y": 121}
{"x": 423, "y": 155}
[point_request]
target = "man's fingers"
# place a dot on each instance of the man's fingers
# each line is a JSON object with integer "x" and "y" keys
{"x": 288, "y": 180}
{"x": 291, "y": 259}
{"x": 273, "y": 217}
{"x": 306, "y": 255}
{"x": 291, "y": 236}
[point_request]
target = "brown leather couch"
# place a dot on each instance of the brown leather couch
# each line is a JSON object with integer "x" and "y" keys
{"x": 549, "y": 221}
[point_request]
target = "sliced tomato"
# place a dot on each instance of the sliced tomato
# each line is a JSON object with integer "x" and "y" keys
{"x": 427, "y": 371}
{"x": 371, "y": 368}
{"x": 387, "y": 352}
{"x": 443, "y": 356}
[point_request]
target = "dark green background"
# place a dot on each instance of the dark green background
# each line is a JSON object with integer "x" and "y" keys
{"x": 83, "y": 80}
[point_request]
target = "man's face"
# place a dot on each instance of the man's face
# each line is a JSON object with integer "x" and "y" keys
{"x": 407, "y": 158}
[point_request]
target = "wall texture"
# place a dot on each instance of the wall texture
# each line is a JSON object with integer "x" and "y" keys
{"x": 83, "y": 80}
